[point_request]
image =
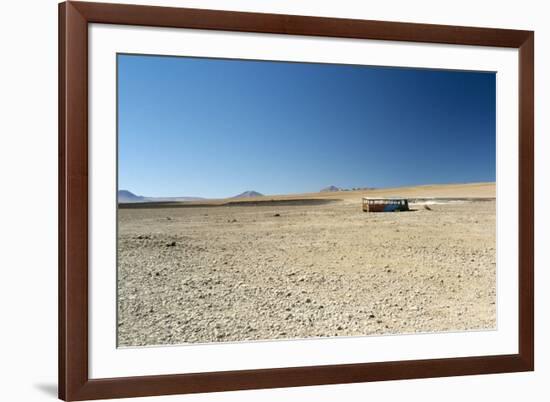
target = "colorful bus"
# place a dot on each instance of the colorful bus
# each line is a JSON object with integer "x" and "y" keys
{"x": 385, "y": 204}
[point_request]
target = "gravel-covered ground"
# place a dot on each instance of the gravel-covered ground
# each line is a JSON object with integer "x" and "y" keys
{"x": 236, "y": 273}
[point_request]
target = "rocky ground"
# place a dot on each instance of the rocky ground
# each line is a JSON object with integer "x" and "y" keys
{"x": 236, "y": 273}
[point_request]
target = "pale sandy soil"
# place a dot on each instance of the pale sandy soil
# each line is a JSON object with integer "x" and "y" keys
{"x": 235, "y": 273}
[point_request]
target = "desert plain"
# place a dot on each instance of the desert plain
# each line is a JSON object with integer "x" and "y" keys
{"x": 307, "y": 265}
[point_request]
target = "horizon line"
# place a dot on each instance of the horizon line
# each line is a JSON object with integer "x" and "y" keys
{"x": 340, "y": 189}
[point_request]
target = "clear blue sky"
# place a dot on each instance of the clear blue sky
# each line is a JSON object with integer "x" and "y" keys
{"x": 215, "y": 128}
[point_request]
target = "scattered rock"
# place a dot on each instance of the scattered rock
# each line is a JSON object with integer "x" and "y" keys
{"x": 198, "y": 282}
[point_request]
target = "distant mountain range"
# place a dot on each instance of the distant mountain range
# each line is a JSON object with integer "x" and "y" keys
{"x": 125, "y": 196}
{"x": 248, "y": 194}
{"x": 330, "y": 189}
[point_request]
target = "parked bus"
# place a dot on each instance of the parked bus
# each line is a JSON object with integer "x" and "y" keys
{"x": 385, "y": 204}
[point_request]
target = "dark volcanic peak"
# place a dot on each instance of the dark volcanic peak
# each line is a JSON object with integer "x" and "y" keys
{"x": 125, "y": 196}
{"x": 329, "y": 189}
{"x": 248, "y": 194}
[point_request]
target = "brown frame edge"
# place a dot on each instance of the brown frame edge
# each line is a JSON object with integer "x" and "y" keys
{"x": 74, "y": 382}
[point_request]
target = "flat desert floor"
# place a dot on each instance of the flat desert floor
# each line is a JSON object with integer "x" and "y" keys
{"x": 273, "y": 268}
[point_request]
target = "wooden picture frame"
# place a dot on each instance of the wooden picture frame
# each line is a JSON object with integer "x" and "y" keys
{"x": 74, "y": 381}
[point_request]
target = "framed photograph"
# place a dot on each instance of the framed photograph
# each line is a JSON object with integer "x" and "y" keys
{"x": 259, "y": 200}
